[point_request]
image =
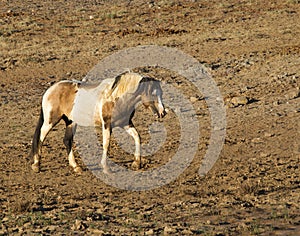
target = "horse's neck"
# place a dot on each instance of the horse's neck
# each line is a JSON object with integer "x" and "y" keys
{"x": 127, "y": 101}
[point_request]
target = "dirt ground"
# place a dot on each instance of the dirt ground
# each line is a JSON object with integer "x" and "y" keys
{"x": 252, "y": 49}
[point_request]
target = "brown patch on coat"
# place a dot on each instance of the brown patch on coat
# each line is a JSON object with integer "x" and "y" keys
{"x": 62, "y": 101}
{"x": 107, "y": 110}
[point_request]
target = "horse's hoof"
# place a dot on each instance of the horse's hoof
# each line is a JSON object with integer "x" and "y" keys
{"x": 35, "y": 168}
{"x": 78, "y": 170}
{"x": 136, "y": 165}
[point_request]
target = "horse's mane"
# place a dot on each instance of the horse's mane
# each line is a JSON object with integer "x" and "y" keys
{"x": 124, "y": 83}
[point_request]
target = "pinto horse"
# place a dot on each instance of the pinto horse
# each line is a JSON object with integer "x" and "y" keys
{"x": 111, "y": 103}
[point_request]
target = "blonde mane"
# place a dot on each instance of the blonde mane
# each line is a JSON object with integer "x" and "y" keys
{"x": 125, "y": 83}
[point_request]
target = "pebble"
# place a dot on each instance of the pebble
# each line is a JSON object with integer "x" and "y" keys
{"x": 193, "y": 99}
{"x": 5, "y": 219}
{"x": 26, "y": 225}
{"x": 268, "y": 135}
{"x": 51, "y": 228}
{"x": 256, "y": 140}
{"x": 263, "y": 155}
{"x": 241, "y": 100}
{"x": 149, "y": 232}
{"x": 169, "y": 230}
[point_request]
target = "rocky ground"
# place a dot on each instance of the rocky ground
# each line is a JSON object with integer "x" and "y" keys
{"x": 251, "y": 49}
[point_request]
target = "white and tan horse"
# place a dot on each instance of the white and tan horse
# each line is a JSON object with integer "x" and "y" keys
{"x": 114, "y": 105}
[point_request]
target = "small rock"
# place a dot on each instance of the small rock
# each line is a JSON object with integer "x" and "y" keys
{"x": 51, "y": 228}
{"x": 26, "y": 225}
{"x": 149, "y": 232}
{"x": 268, "y": 135}
{"x": 169, "y": 230}
{"x": 220, "y": 234}
{"x": 241, "y": 100}
{"x": 186, "y": 232}
{"x": 5, "y": 219}
{"x": 264, "y": 155}
{"x": 256, "y": 140}
{"x": 194, "y": 99}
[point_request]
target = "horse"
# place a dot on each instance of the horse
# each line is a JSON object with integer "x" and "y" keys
{"x": 109, "y": 104}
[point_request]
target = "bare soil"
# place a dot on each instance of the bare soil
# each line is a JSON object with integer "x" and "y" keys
{"x": 252, "y": 49}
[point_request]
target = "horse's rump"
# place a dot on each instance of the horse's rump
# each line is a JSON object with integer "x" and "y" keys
{"x": 58, "y": 100}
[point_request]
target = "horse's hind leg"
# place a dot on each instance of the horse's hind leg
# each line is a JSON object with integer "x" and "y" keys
{"x": 137, "y": 154}
{"x": 68, "y": 141}
{"x": 42, "y": 129}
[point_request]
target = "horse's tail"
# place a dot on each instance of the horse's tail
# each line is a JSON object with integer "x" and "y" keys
{"x": 37, "y": 134}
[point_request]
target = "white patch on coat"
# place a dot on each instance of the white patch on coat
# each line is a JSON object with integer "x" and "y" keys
{"x": 86, "y": 103}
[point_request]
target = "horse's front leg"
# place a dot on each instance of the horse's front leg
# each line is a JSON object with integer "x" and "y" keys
{"x": 106, "y": 132}
{"x": 137, "y": 154}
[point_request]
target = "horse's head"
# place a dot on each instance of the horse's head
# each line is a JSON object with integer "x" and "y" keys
{"x": 152, "y": 96}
